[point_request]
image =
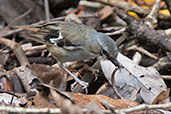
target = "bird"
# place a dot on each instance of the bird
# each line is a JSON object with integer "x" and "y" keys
{"x": 69, "y": 41}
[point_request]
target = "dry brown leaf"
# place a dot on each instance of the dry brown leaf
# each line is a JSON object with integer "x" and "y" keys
{"x": 48, "y": 73}
{"x": 142, "y": 81}
{"x": 83, "y": 100}
{"x": 42, "y": 102}
{"x": 18, "y": 51}
{"x": 65, "y": 104}
{"x": 106, "y": 12}
{"x": 27, "y": 77}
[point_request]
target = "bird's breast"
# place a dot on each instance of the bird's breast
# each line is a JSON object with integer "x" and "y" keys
{"x": 64, "y": 55}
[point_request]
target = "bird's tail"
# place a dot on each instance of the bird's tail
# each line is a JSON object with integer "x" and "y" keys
{"x": 36, "y": 37}
{"x": 47, "y": 34}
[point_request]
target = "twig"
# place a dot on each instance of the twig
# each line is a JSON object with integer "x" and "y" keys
{"x": 143, "y": 107}
{"x": 129, "y": 7}
{"x": 33, "y": 48}
{"x": 122, "y": 38}
{"x": 107, "y": 105}
{"x": 151, "y": 19}
{"x": 58, "y": 111}
{"x": 30, "y": 110}
{"x": 137, "y": 58}
{"x": 9, "y": 92}
{"x": 20, "y": 17}
{"x": 91, "y": 4}
{"x": 12, "y": 97}
{"x": 18, "y": 51}
{"x": 46, "y": 3}
{"x": 140, "y": 49}
{"x": 162, "y": 63}
{"x": 108, "y": 29}
{"x": 4, "y": 34}
{"x": 117, "y": 32}
{"x": 166, "y": 77}
{"x": 125, "y": 6}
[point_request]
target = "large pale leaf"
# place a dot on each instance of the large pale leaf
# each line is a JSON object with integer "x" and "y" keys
{"x": 134, "y": 80}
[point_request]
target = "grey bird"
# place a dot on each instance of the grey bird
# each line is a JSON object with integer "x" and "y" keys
{"x": 68, "y": 41}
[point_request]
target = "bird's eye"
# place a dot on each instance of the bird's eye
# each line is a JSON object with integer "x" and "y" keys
{"x": 104, "y": 52}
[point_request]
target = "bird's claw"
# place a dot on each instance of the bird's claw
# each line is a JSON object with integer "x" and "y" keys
{"x": 82, "y": 83}
{"x": 94, "y": 71}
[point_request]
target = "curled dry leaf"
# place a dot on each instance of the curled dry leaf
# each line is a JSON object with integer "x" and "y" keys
{"x": 27, "y": 77}
{"x": 142, "y": 81}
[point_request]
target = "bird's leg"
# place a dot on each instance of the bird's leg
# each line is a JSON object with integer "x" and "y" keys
{"x": 82, "y": 83}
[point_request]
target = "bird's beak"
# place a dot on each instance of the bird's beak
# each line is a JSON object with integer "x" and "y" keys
{"x": 116, "y": 63}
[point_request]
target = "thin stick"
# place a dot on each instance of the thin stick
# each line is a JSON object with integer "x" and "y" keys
{"x": 20, "y": 17}
{"x": 166, "y": 77}
{"x": 143, "y": 107}
{"x": 58, "y": 111}
{"x": 46, "y": 3}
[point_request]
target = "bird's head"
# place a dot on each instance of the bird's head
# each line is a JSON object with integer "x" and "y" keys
{"x": 109, "y": 48}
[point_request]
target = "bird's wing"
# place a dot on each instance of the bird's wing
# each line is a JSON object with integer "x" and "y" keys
{"x": 62, "y": 34}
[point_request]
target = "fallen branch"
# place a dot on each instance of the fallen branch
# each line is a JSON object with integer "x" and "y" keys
{"x": 126, "y": 6}
{"x": 30, "y": 110}
{"x": 143, "y": 107}
{"x": 58, "y": 111}
{"x": 17, "y": 49}
{"x": 129, "y": 7}
{"x": 142, "y": 31}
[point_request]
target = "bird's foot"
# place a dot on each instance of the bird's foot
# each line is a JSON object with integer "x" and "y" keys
{"x": 82, "y": 83}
